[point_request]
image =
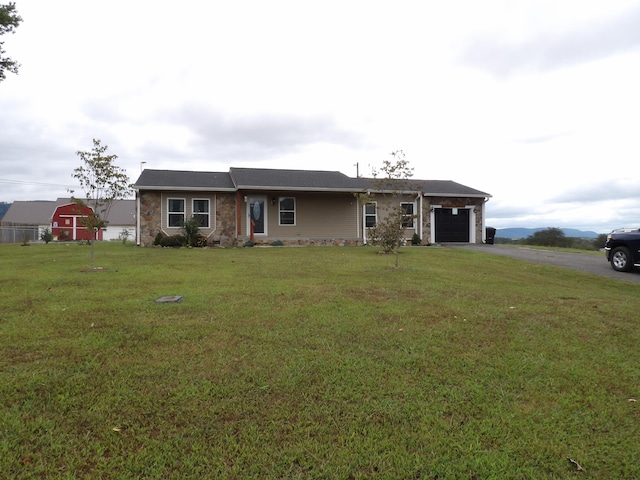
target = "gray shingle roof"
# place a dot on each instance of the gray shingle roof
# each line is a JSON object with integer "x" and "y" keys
{"x": 182, "y": 180}
{"x": 265, "y": 178}
{"x": 37, "y": 212}
{"x": 275, "y": 179}
{"x": 448, "y": 188}
{"x": 123, "y": 212}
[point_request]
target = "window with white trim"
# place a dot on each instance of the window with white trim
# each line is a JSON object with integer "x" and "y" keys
{"x": 175, "y": 212}
{"x": 370, "y": 214}
{"x": 408, "y": 214}
{"x": 287, "y": 207}
{"x": 201, "y": 211}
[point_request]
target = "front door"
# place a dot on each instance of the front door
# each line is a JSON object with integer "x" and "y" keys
{"x": 257, "y": 221}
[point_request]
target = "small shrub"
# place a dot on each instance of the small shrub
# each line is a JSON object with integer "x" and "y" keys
{"x": 158, "y": 240}
{"x": 248, "y": 243}
{"x": 200, "y": 241}
{"x": 277, "y": 243}
{"x": 173, "y": 241}
{"x": 191, "y": 229}
{"x": 46, "y": 236}
{"x": 416, "y": 240}
{"x": 124, "y": 235}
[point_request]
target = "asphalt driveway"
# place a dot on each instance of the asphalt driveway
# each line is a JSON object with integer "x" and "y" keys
{"x": 595, "y": 264}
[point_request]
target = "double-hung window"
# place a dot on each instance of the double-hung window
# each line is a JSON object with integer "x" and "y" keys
{"x": 408, "y": 215}
{"x": 287, "y": 207}
{"x": 176, "y": 212}
{"x": 201, "y": 212}
{"x": 370, "y": 215}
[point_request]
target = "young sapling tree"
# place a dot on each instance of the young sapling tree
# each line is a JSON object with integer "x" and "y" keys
{"x": 391, "y": 181}
{"x": 103, "y": 183}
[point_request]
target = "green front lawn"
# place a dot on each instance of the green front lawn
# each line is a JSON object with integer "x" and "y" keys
{"x": 313, "y": 363}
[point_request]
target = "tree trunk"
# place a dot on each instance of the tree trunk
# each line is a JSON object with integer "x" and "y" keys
{"x": 93, "y": 240}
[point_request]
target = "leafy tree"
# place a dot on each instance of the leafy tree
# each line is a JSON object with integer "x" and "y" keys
{"x": 391, "y": 180}
{"x": 103, "y": 183}
{"x": 550, "y": 237}
{"x": 599, "y": 241}
{"x": 9, "y": 21}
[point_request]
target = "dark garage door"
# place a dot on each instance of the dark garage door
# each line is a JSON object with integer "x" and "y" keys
{"x": 452, "y": 225}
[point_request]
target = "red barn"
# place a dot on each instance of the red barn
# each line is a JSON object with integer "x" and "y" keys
{"x": 66, "y": 223}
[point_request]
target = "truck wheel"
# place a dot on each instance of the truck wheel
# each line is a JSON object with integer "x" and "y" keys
{"x": 621, "y": 259}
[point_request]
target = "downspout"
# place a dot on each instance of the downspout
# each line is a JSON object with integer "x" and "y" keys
{"x": 364, "y": 227}
{"x": 420, "y": 227}
{"x": 138, "y": 218}
{"x": 357, "y": 219}
{"x": 484, "y": 228}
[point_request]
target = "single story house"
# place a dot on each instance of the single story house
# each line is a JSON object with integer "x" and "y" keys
{"x": 31, "y": 218}
{"x": 301, "y": 207}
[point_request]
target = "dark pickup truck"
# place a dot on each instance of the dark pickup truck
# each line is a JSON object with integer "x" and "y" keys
{"x": 623, "y": 249}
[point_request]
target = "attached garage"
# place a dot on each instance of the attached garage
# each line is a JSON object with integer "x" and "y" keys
{"x": 452, "y": 225}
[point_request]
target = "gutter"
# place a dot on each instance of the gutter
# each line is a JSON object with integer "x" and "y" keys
{"x": 184, "y": 189}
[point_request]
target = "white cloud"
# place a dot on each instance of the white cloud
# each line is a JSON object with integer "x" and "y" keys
{"x": 533, "y": 101}
{"x": 583, "y": 42}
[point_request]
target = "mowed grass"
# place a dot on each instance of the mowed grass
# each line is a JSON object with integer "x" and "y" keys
{"x": 313, "y": 363}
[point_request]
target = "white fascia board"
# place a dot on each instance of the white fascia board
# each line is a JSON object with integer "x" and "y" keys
{"x": 184, "y": 189}
{"x": 295, "y": 189}
{"x": 458, "y": 195}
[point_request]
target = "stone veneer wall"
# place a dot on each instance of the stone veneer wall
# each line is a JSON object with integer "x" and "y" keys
{"x": 226, "y": 220}
{"x": 313, "y": 242}
{"x": 151, "y": 218}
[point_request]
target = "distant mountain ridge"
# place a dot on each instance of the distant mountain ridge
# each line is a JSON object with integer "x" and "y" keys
{"x": 515, "y": 233}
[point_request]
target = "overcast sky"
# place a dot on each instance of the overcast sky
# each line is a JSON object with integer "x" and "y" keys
{"x": 536, "y": 102}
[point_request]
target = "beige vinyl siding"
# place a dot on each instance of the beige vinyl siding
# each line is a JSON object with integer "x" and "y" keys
{"x": 318, "y": 215}
{"x": 188, "y": 198}
{"x": 384, "y": 203}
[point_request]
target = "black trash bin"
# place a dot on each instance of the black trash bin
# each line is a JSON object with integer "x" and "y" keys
{"x": 491, "y": 235}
